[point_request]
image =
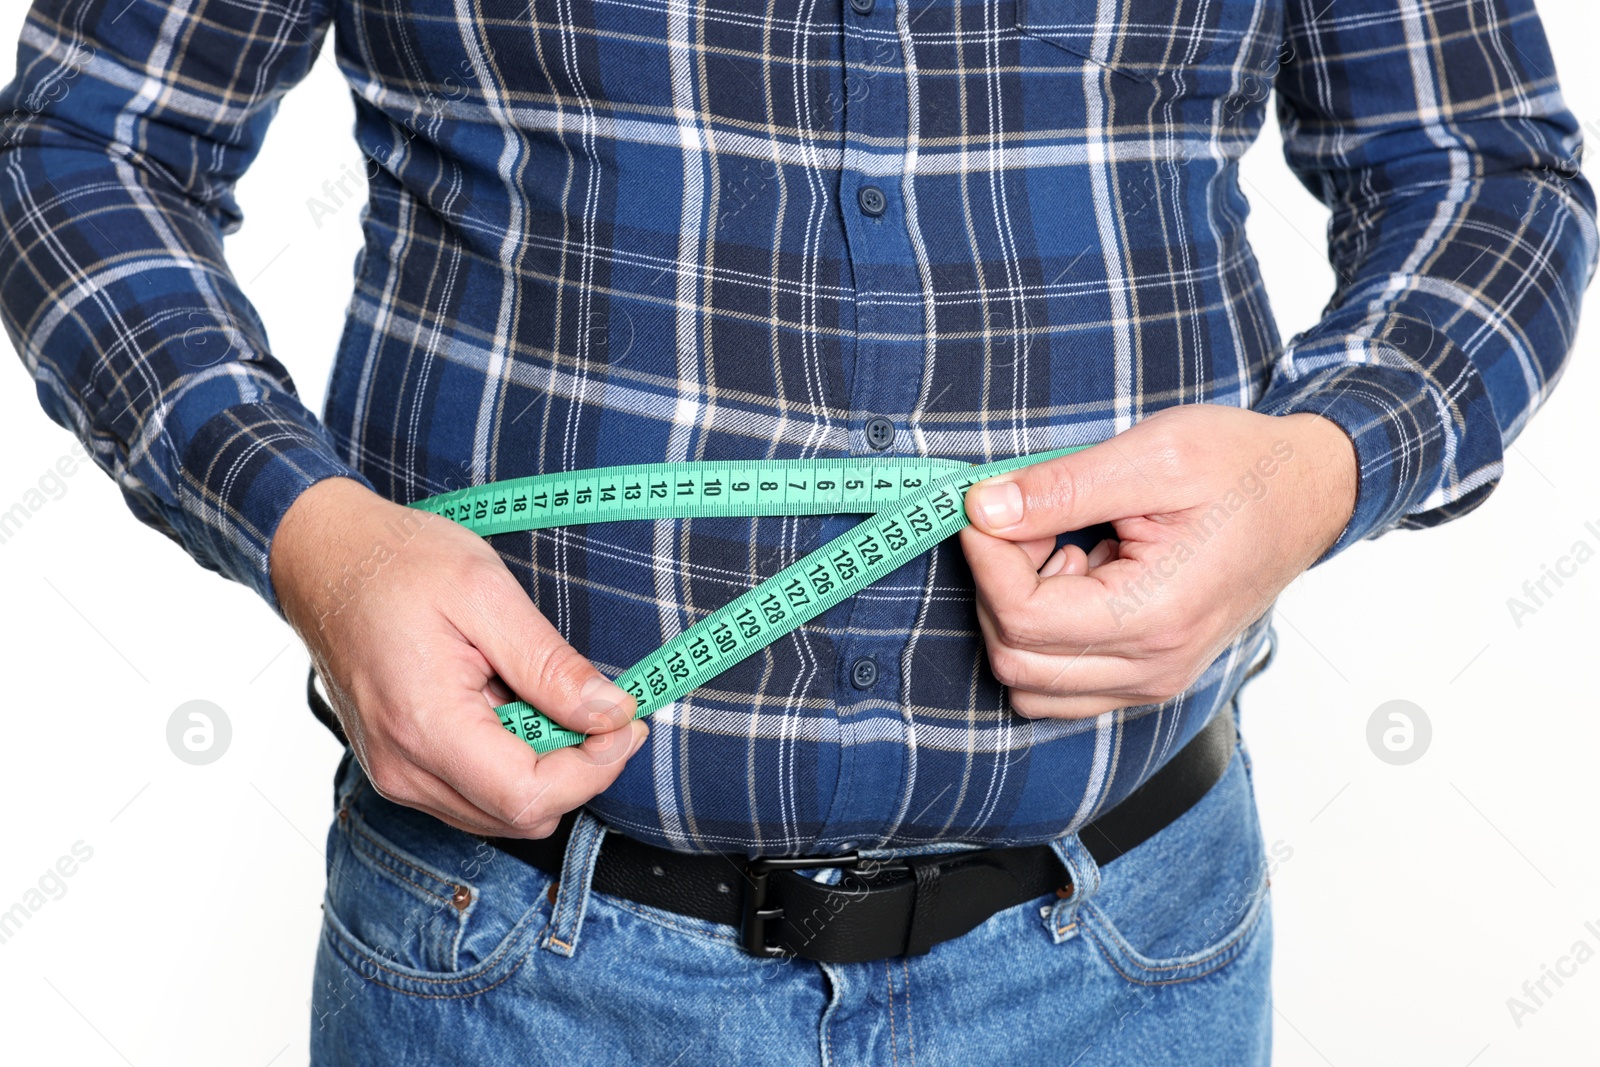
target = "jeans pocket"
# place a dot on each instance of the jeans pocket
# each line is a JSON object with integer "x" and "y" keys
{"x": 1187, "y": 901}
{"x": 421, "y": 907}
{"x": 1147, "y": 39}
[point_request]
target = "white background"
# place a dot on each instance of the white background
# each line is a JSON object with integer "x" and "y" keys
{"x": 1416, "y": 901}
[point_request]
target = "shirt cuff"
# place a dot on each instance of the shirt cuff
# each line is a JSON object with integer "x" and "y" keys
{"x": 241, "y": 469}
{"x": 1398, "y": 431}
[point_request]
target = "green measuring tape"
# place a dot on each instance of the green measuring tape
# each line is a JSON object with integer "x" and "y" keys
{"x": 915, "y": 502}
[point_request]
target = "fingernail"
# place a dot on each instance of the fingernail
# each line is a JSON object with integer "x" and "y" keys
{"x": 601, "y": 700}
{"x": 1053, "y": 565}
{"x": 640, "y": 732}
{"x": 999, "y": 503}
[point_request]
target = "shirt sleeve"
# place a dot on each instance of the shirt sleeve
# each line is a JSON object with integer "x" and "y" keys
{"x": 1462, "y": 235}
{"x": 124, "y": 132}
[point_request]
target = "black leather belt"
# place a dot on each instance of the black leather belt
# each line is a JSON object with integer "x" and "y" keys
{"x": 880, "y": 908}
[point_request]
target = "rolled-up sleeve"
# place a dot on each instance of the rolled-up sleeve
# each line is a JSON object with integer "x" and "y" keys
{"x": 1462, "y": 235}
{"x": 124, "y": 132}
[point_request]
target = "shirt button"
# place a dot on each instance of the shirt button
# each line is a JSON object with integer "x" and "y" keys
{"x": 872, "y": 200}
{"x": 864, "y": 673}
{"x": 862, "y": 7}
{"x": 880, "y": 432}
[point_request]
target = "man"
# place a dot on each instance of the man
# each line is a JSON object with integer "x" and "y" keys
{"x": 630, "y": 232}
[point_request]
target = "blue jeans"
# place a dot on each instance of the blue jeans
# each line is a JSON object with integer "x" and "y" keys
{"x": 437, "y": 948}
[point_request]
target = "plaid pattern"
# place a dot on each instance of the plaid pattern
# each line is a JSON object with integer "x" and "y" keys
{"x": 609, "y": 232}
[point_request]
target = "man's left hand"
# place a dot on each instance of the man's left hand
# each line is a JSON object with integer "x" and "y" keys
{"x": 1216, "y": 509}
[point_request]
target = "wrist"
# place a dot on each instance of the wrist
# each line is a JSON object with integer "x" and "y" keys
{"x": 1330, "y": 476}
{"x": 309, "y": 534}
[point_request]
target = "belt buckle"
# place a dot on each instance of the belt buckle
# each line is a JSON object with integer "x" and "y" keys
{"x": 756, "y": 913}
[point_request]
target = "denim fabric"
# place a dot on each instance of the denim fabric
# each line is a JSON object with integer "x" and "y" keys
{"x": 439, "y": 949}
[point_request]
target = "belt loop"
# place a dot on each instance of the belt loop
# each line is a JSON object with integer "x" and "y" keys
{"x": 572, "y": 893}
{"x": 1062, "y": 919}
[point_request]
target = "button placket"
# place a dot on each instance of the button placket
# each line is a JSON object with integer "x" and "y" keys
{"x": 889, "y": 363}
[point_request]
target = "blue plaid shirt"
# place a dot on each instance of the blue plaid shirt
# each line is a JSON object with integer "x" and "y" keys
{"x": 616, "y": 232}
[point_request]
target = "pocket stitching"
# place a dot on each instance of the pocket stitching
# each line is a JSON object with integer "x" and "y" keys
{"x": 369, "y": 848}
{"x": 365, "y": 832}
{"x": 336, "y": 930}
{"x": 1107, "y": 936}
{"x": 1212, "y": 42}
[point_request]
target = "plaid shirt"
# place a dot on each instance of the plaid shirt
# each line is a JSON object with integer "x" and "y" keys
{"x": 617, "y": 232}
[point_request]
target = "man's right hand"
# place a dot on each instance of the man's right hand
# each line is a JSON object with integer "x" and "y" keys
{"x": 418, "y": 630}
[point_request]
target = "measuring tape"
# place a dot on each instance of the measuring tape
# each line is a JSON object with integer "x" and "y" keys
{"x": 914, "y": 502}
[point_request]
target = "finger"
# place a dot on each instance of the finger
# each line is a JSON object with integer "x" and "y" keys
{"x": 1062, "y": 613}
{"x": 1034, "y": 706}
{"x": 536, "y": 662}
{"x": 1069, "y": 559}
{"x": 1038, "y": 550}
{"x": 1134, "y": 473}
{"x": 1103, "y": 553}
{"x": 496, "y": 692}
{"x": 433, "y": 795}
{"x": 503, "y": 777}
{"x": 1085, "y": 672}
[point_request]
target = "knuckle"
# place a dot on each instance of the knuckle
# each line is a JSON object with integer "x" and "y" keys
{"x": 1166, "y": 449}
{"x": 528, "y": 813}
{"x": 1167, "y": 633}
{"x": 1060, "y": 486}
{"x": 555, "y": 664}
{"x": 1014, "y": 627}
{"x": 390, "y": 782}
{"x": 1006, "y": 665}
{"x": 1168, "y": 683}
{"x": 482, "y": 582}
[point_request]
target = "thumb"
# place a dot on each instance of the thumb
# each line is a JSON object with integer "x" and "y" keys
{"x": 1103, "y": 483}
{"x": 540, "y": 667}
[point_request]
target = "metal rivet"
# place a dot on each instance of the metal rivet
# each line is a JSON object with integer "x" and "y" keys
{"x": 880, "y": 432}
{"x": 461, "y": 898}
{"x": 872, "y": 200}
{"x": 863, "y": 7}
{"x": 550, "y": 893}
{"x": 864, "y": 673}
{"x": 658, "y": 871}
